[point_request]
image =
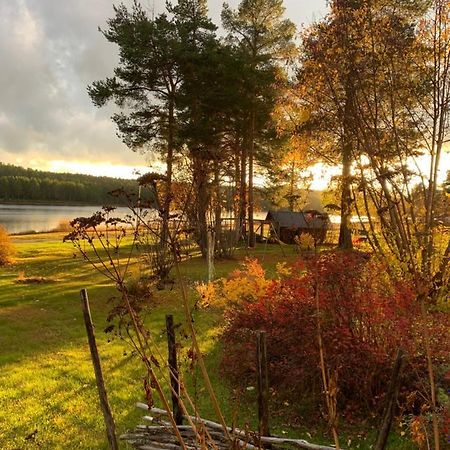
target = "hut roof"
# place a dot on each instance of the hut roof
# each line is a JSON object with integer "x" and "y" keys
{"x": 301, "y": 219}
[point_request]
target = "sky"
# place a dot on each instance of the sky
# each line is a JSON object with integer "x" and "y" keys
{"x": 50, "y": 51}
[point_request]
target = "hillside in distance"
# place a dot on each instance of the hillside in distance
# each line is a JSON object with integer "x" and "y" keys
{"x": 18, "y": 184}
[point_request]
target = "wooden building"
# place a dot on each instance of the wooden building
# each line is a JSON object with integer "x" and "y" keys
{"x": 288, "y": 224}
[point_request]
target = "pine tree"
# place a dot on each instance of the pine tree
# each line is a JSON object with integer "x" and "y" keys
{"x": 265, "y": 39}
{"x": 145, "y": 86}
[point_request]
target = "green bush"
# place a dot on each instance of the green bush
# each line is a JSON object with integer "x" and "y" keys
{"x": 7, "y": 251}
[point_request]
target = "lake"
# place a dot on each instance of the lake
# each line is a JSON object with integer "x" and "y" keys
{"x": 22, "y": 218}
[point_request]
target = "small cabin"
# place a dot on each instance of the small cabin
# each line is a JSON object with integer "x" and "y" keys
{"x": 288, "y": 224}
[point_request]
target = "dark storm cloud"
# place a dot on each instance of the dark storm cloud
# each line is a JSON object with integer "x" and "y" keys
{"x": 50, "y": 50}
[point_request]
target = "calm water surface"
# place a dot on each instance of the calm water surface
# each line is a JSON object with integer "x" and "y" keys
{"x": 22, "y": 218}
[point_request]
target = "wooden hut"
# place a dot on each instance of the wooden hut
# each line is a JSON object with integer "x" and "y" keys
{"x": 288, "y": 224}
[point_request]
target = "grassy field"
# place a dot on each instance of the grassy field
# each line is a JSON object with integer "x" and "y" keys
{"x": 48, "y": 397}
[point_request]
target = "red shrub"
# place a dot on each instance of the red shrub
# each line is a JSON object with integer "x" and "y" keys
{"x": 364, "y": 316}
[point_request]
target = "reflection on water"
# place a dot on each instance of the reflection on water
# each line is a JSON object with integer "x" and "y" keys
{"x": 21, "y": 218}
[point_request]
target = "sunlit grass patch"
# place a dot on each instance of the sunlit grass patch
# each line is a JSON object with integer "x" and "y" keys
{"x": 46, "y": 374}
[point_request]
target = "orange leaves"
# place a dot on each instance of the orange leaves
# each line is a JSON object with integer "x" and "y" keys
{"x": 418, "y": 431}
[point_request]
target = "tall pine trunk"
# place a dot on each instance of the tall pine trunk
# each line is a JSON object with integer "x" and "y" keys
{"x": 242, "y": 193}
{"x": 237, "y": 193}
{"x": 217, "y": 206}
{"x": 169, "y": 175}
{"x": 251, "y": 200}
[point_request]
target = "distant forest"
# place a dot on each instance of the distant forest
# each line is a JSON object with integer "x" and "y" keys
{"x": 19, "y": 184}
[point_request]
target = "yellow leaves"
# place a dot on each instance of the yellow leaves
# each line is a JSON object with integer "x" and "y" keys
{"x": 252, "y": 267}
{"x": 283, "y": 270}
{"x": 305, "y": 242}
{"x": 443, "y": 302}
{"x": 243, "y": 288}
{"x": 289, "y": 113}
{"x": 296, "y": 155}
{"x": 207, "y": 292}
{"x": 300, "y": 145}
{"x": 245, "y": 284}
{"x": 7, "y": 250}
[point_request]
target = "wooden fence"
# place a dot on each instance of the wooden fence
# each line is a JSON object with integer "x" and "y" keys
{"x": 159, "y": 434}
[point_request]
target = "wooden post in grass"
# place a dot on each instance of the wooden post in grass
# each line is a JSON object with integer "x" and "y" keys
{"x": 263, "y": 383}
{"x": 106, "y": 410}
{"x": 173, "y": 370}
{"x": 391, "y": 400}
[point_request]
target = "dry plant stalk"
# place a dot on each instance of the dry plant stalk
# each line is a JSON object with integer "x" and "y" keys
{"x": 199, "y": 355}
{"x": 173, "y": 247}
{"x": 329, "y": 379}
{"x": 430, "y": 370}
{"x": 88, "y": 230}
{"x": 105, "y": 257}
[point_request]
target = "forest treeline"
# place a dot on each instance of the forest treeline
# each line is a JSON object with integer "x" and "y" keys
{"x": 20, "y": 184}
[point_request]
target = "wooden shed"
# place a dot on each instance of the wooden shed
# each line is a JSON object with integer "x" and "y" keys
{"x": 288, "y": 224}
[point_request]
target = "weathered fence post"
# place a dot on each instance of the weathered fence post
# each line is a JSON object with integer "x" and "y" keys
{"x": 107, "y": 414}
{"x": 263, "y": 383}
{"x": 391, "y": 400}
{"x": 173, "y": 370}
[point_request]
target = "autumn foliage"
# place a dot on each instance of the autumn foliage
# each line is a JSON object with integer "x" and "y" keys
{"x": 365, "y": 317}
{"x": 7, "y": 251}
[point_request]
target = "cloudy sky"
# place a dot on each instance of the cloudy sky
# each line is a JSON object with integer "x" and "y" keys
{"x": 50, "y": 50}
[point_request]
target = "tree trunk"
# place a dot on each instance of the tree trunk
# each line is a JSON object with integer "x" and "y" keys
{"x": 202, "y": 199}
{"x": 391, "y": 401}
{"x": 237, "y": 193}
{"x": 210, "y": 255}
{"x": 251, "y": 224}
{"x": 217, "y": 207}
{"x": 169, "y": 173}
{"x": 345, "y": 234}
{"x": 291, "y": 188}
{"x": 242, "y": 193}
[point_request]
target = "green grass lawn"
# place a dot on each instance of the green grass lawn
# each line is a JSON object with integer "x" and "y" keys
{"x": 48, "y": 397}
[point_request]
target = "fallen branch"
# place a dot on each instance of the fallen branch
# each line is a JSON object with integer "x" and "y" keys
{"x": 299, "y": 443}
